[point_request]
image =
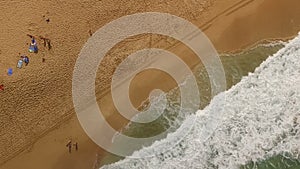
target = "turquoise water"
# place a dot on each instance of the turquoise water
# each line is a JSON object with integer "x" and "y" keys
{"x": 236, "y": 66}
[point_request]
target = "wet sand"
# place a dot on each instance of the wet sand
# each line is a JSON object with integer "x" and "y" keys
{"x": 37, "y": 116}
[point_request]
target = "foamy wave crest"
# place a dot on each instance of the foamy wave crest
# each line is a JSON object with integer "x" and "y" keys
{"x": 261, "y": 119}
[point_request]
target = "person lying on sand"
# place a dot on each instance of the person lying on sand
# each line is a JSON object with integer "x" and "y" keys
{"x": 20, "y": 64}
{"x": 26, "y": 60}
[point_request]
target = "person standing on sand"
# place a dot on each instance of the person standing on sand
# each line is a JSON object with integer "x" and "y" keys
{"x": 33, "y": 42}
{"x": 69, "y": 145}
{"x": 76, "y": 146}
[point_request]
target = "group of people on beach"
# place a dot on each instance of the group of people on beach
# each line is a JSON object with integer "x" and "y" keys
{"x": 69, "y": 145}
{"x": 33, "y": 48}
{"x": 23, "y": 59}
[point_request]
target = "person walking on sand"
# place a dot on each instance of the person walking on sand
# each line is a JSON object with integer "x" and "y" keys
{"x": 76, "y": 146}
{"x": 69, "y": 145}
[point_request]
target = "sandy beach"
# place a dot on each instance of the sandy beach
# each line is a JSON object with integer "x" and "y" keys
{"x": 37, "y": 117}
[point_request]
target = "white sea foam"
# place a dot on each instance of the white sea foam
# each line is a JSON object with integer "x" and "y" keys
{"x": 261, "y": 119}
{"x": 272, "y": 43}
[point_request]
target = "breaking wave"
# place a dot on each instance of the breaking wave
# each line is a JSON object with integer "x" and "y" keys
{"x": 261, "y": 119}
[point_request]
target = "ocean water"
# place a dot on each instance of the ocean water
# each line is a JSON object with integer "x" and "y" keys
{"x": 236, "y": 66}
{"x": 282, "y": 161}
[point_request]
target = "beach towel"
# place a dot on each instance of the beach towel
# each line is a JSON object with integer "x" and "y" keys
{"x": 20, "y": 63}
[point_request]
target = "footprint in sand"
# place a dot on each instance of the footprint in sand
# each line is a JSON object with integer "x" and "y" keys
{"x": 32, "y": 26}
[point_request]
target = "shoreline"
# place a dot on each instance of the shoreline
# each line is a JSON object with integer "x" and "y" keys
{"x": 270, "y": 44}
{"x": 262, "y": 42}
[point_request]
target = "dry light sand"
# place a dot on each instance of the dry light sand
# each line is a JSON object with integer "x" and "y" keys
{"x": 36, "y": 110}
